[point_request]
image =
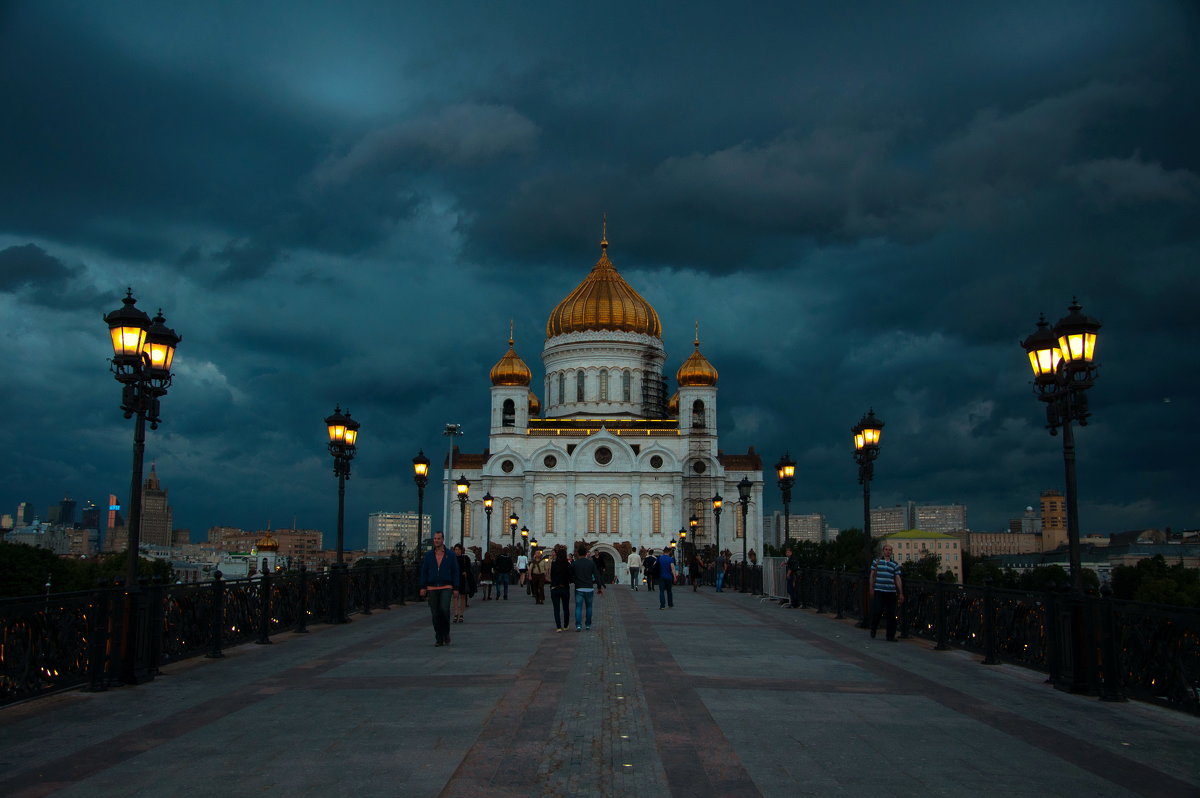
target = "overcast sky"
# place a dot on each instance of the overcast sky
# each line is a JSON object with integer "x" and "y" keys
{"x": 864, "y": 205}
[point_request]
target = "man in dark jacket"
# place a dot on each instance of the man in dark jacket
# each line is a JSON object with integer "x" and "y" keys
{"x": 439, "y": 580}
{"x": 504, "y": 571}
{"x": 650, "y": 569}
{"x": 587, "y": 582}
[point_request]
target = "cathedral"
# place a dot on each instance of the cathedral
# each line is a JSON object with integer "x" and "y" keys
{"x": 605, "y": 455}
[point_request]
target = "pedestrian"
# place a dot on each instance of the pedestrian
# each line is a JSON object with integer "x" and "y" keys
{"x": 886, "y": 590}
{"x": 601, "y": 573}
{"x": 466, "y": 584}
{"x": 666, "y": 579}
{"x": 504, "y": 570}
{"x": 635, "y": 569}
{"x": 722, "y": 562}
{"x": 792, "y": 575}
{"x": 587, "y": 582}
{"x": 486, "y": 575}
{"x": 562, "y": 578}
{"x": 694, "y": 572}
{"x": 650, "y": 569}
{"x": 523, "y": 571}
{"x": 438, "y": 583}
{"x": 537, "y": 576}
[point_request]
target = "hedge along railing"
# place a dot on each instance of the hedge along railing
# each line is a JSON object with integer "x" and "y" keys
{"x": 67, "y": 640}
{"x": 1150, "y": 652}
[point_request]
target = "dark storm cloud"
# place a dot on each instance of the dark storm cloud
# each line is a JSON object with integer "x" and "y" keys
{"x": 862, "y": 207}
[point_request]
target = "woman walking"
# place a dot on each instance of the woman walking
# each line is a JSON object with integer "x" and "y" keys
{"x": 466, "y": 583}
{"x": 486, "y": 569}
{"x": 561, "y": 579}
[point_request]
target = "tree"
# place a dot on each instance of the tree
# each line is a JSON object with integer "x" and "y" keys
{"x": 925, "y": 569}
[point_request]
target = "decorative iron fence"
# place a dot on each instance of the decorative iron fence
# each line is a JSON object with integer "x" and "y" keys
{"x": 66, "y": 640}
{"x": 1124, "y": 648}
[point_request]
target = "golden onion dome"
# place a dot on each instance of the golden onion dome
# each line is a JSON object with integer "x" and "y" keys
{"x": 511, "y": 369}
{"x": 604, "y": 301}
{"x": 267, "y": 543}
{"x": 696, "y": 370}
{"x": 673, "y": 404}
{"x": 535, "y": 407}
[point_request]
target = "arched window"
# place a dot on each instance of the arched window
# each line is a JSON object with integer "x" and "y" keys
{"x": 603, "y": 385}
{"x": 626, "y": 385}
{"x": 466, "y": 508}
{"x": 579, "y": 386}
{"x": 614, "y": 514}
{"x": 549, "y": 525}
{"x": 603, "y": 515}
{"x": 738, "y": 525}
{"x": 656, "y": 515}
{"x": 562, "y": 387}
{"x": 509, "y": 414}
{"x": 697, "y": 413}
{"x": 506, "y": 513}
{"x": 591, "y": 519}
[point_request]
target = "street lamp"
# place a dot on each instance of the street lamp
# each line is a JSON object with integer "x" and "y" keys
{"x": 744, "y": 487}
{"x": 463, "y": 486}
{"x": 143, "y": 351}
{"x": 524, "y": 540}
{"x": 343, "y": 445}
{"x": 866, "y": 448}
{"x": 717, "y": 504}
{"x": 693, "y": 523}
{"x": 487, "y": 528}
{"x": 1064, "y": 368}
{"x": 512, "y": 528}
{"x": 421, "y": 477}
{"x": 786, "y": 470}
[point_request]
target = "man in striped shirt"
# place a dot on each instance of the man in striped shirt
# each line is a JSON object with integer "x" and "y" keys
{"x": 887, "y": 591}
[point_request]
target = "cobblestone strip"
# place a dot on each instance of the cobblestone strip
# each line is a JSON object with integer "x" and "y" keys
{"x": 602, "y": 737}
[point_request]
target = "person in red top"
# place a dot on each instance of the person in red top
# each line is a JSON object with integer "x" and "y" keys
{"x": 439, "y": 582}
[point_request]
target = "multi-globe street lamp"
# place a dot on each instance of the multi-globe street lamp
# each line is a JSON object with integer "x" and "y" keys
{"x": 1064, "y": 368}
{"x": 744, "y": 487}
{"x": 343, "y": 445}
{"x": 463, "y": 487}
{"x": 421, "y": 477}
{"x": 785, "y": 469}
{"x": 487, "y": 526}
{"x": 866, "y": 448}
{"x": 143, "y": 351}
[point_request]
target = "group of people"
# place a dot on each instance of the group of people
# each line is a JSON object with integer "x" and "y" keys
{"x": 446, "y": 581}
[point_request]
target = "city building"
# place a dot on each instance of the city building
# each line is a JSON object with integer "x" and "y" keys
{"x": 1030, "y": 523}
{"x": 800, "y": 527}
{"x": 916, "y": 544}
{"x": 386, "y": 530}
{"x": 890, "y": 520}
{"x": 946, "y": 519}
{"x": 157, "y": 518}
{"x": 605, "y": 455}
{"x": 991, "y": 544}
{"x": 295, "y": 546}
{"x": 1054, "y": 520}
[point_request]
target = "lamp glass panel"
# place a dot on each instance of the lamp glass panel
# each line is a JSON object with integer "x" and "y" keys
{"x": 421, "y": 469}
{"x": 161, "y": 355}
{"x": 789, "y": 471}
{"x": 1077, "y": 346}
{"x": 351, "y": 436}
{"x": 871, "y": 436}
{"x": 337, "y": 432}
{"x": 127, "y": 340}
{"x": 859, "y": 441}
{"x": 718, "y": 503}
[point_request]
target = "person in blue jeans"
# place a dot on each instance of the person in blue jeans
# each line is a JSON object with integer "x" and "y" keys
{"x": 504, "y": 569}
{"x": 587, "y": 584}
{"x": 666, "y": 579}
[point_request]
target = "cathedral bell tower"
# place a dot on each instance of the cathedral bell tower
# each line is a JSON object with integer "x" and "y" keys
{"x": 512, "y": 401}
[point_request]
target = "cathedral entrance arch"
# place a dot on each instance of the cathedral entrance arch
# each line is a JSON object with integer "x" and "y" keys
{"x": 611, "y": 560}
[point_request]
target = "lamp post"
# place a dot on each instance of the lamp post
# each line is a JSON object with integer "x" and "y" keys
{"x": 682, "y": 541}
{"x": 525, "y": 540}
{"x": 143, "y": 351}
{"x": 487, "y": 527}
{"x": 693, "y": 523}
{"x": 717, "y": 504}
{"x": 343, "y": 445}
{"x": 463, "y": 486}
{"x": 513, "y": 520}
{"x": 1064, "y": 368}
{"x": 866, "y": 448}
{"x": 744, "y": 487}
{"x": 421, "y": 477}
{"x": 786, "y": 471}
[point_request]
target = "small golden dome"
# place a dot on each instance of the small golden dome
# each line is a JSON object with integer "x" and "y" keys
{"x": 604, "y": 301}
{"x": 267, "y": 543}
{"x": 673, "y": 404}
{"x": 511, "y": 369}
{"x": 535, "y": 407}
{"x": 696, "y": 370}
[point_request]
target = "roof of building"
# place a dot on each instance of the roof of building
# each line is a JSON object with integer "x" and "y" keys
{"x": 750, "y": 461}
{"x": 604, "y": 301}
{"x": 920, "y": 533}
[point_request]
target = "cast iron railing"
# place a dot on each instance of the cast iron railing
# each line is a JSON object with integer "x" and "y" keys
{"x": 65, "y": 640}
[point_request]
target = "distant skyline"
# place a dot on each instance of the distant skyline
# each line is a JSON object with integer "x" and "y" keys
{"x": 862, "y": 205}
